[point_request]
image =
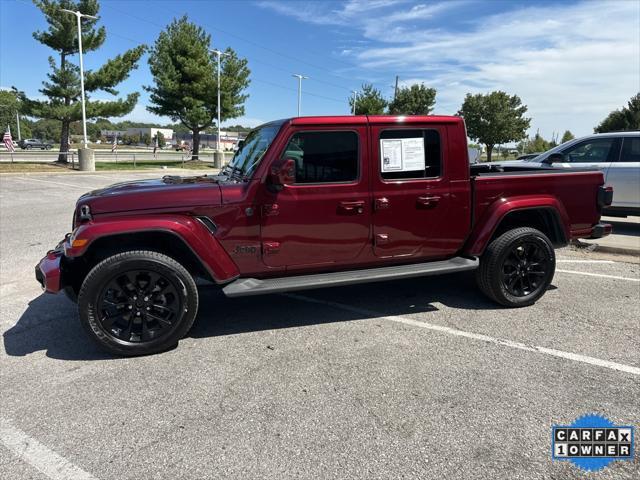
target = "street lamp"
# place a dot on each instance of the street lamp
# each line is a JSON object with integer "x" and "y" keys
{"x": 355, "y": 99}
{"x": 84, "y": 113}
{"x": 300, "y": 78}
{"x": 218, "y": 54}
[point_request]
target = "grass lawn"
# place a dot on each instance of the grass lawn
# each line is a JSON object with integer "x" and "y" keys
{"x": 155, "y": 164}
{"x": 6, "y": 167}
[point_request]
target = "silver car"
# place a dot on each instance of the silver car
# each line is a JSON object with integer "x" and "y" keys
{"x": 617, "y": 154}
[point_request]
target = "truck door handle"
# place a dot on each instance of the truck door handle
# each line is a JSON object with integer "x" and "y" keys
{"x": 381, "y": 203}
{"x": 351, "y": 208}
{"x": 427, "y": 202}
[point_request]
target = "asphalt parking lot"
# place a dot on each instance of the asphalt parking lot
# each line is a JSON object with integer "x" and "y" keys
{"x": 422, "y": 378}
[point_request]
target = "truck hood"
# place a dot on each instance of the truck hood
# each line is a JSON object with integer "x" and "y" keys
{"x": 170, "y": 192}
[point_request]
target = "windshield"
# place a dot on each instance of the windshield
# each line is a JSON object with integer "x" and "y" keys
{"x": 250, "y": 152}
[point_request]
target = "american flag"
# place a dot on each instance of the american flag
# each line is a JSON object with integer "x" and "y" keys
{"x": 114, "y": 145}
{"x": 8, "y": 141}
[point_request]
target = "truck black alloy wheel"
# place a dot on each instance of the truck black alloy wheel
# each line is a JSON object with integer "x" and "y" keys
{"x": 524, "y": 269}
{"x": 138, "y": 306}
{"x": 517, "y": 267}
{"x": 138, "y": 302}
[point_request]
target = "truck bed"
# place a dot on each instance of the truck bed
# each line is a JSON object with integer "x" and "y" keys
{"x": 571, "y": 193}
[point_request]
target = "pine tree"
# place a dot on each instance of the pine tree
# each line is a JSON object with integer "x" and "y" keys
{"x": 185, "y": 79}
{"x": 567, "y": 136}
{"x": 369, "y": 101}
{"x": 62, "y": 88}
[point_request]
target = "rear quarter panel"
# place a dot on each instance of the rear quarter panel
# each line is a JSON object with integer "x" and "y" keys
{"x": 571, "y": 195}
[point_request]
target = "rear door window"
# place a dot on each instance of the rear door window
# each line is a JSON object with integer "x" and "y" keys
{"x": 630, "y": 149}
{"x": 409, "y": 154}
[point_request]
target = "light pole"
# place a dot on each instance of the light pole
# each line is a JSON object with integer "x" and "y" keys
{"x": 355, "y": 99}
{"x": 300, "y": 78}
{"x": 84, "y": 113}
{"x": 219, "y": 54}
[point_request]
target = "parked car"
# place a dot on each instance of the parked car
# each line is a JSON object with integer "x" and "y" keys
{"x": 33, "y": 143}
{"x": 528, "y": 156}
{"x": 313, "y": 202}
{"x": 616, "y": 154}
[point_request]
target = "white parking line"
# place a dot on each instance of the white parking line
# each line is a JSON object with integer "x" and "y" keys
{"x": 39, "y": 456}
{"x": 475, "y": 336}
{"x": 601, "y": 275}
{"x": 86, "y": 188}
{"x": 585, "y": 261}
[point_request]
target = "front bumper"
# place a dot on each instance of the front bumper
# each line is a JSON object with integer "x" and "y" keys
{"x": 601, "y": 230}
{"x": 48, "y": 271}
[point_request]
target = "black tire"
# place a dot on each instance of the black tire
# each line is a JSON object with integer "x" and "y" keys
{"x": 138, "y": 303}
{"x": 28, "y": 147}
{"x": 517, "y": 267}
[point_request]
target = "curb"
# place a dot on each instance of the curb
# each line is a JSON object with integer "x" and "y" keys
{"x": 596, "y": 247}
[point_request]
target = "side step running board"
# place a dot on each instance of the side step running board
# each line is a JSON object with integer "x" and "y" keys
{"x": 252, "y": 286}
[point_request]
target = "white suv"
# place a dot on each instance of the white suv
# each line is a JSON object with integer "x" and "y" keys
{"x": 617, "y": 154}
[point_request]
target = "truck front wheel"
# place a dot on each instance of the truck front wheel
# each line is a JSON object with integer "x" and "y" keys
{"x": 137, "y": 303}
{"x": 517, "y": 267}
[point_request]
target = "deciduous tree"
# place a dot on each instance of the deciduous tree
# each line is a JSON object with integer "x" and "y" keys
{"x": 185, "y": 79}
{"x": 10, "y": 105}
{"x": 62, "y": 89}
{"x": 494, "y": 118}
{"x": 413, "y": 100}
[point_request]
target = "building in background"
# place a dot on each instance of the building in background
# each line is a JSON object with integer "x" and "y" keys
{"x": 167, "y": 133}
{"x": 228, "y": 140}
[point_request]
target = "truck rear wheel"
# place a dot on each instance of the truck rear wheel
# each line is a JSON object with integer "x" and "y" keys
{"x": 137, "y": 303}
{"x": 517, "y": 267}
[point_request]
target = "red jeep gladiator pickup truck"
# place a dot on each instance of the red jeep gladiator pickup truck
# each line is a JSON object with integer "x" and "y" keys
{"x": 316, "y": 202}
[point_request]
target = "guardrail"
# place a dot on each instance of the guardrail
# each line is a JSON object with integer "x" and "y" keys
{"x": 135, "y": 157}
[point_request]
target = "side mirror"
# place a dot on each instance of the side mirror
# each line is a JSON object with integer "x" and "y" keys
{"x": 240, "y": 144}
{"x": 283, "y": 173}
{"x": 555, "y": 158}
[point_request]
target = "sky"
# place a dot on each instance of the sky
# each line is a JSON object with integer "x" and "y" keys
{"x": 571, "y": 62}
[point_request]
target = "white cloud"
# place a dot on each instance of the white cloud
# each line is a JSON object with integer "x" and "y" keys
{"x": 318, "y": 13}
{"x": 570, "y": 63}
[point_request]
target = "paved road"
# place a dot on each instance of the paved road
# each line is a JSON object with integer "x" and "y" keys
{"x": 413, "y": 379}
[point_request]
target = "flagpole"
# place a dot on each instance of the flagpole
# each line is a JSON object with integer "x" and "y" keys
{"x": 11, "y": 140}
